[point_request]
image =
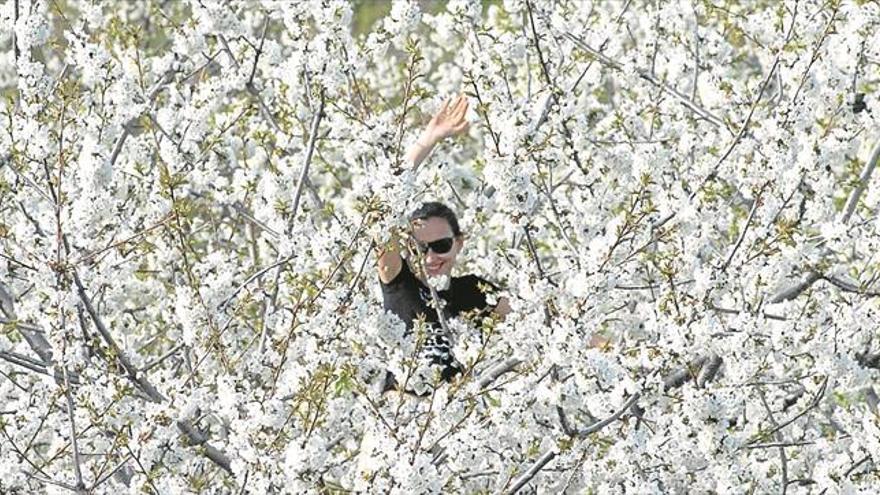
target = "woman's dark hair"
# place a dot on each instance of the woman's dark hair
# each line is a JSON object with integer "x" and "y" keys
{"x": 436, "y": 209}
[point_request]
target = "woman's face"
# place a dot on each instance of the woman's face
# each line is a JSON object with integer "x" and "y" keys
{"x": 435, "y": 229}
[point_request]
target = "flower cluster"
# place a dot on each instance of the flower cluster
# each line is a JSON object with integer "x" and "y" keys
{"x": 679, "y": 199}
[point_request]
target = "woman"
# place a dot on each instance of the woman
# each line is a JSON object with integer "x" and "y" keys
{"x": 436, "y": 240}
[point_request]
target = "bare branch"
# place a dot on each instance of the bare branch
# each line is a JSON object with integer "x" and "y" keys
{"x": 709, "y": 370}
{"x": 259, "y": 51}
{"x": 593, "y": 428}
{"x": 742, "y": 235}
{"x": 142, "y": 383}
{"x": 812, "y": 276}
{"x": 49, "y": 481}
{"x": 24, "y": 362}
{"x": 856, "y": 465}
{"x": 495, "y": 372}
{"x": 848, "y": 286}
{"x": 551, "y": 454}
{"x": 147, "y": 367}
{"x": 15, "y": 50}
{"x": 795, "y": 290}
{"x": 253, "y": 277}
{"x": 745, "y": 125}
{"x": 264, "y": 109}
{"x": 730, "y": 311}
{"x": 196, "y": 438}
{"x": 77, "y": 469}
{"x": 112, "y": 472}
{"x": 680, "y": 376}
{"x": 532, "y": 471}
{"x": 817, "y": 398}
{"x": 126, "y": 128}
{"x": 780, "y": 442}
{"x": 304, "y": 173}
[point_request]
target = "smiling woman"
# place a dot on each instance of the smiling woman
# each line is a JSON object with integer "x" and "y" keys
{"x": 435, "y": 239}
{"x": 407, "y": 293}
{"x": 438, "y": 237}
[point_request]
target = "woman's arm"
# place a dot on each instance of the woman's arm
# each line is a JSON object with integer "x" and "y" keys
{"x": 448, "y": 121}
{"x": 390, "y": 263}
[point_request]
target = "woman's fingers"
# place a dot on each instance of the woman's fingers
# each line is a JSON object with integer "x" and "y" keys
{"x": 460, "y": 103}
{"x": 442, "y": 111}
{"x": 459, "y": 109}
{"x": 445, "y": 106}
{"x": 451, "y": 113}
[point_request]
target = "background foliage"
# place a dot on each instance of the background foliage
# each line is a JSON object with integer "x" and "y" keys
{"x": 189, "y": 193}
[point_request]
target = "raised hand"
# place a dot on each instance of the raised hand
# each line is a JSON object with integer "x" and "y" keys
{"x": 449, "y": 120}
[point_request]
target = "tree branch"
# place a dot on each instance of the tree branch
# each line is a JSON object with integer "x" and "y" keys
{"x": 604, "y": 60}
{"x": 142, "y": 383}
{"x": 795, "y": 290}
{"x": 495, "y": 372}
{"x": 848, "y": 286}
{"x": 780, "y": 442}
{"x": 196, "y": 438}
{"x": 709, "y": 370}
{"x": 742, "y": 235}
{"x": 551, "y": 454}
{"x": 310, "y": 149}
{"x": 532, "y": 471}
{"x": 74, "y": 442}
{"x": 264, "y": 109}
{"x": 817, "y": 398}
{"x": 126, "y": 128}
{"x": 681, "y": 376}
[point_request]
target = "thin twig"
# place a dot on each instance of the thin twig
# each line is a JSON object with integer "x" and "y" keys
{"x": 795, "y": 290}
{"x": 779, "y": 441}
{"x": 817, "y": 398}
{"x": 259, "y": 51}
{"x": 113, "y": 471}
{"x": 253, "y": 277}
{"x": 123, "y": 359}
{"x": 198, "y": 439}
{"x": 264, "y": 110}
{"x": 147, "y": 367}
{"x": 126, "y": 128}
{"x": 495, "y": 372}
{"x": 742, "y": 234}
{"x": 77, "y": 469}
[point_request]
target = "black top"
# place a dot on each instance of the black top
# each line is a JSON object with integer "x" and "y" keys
{"x": 410, "y": 299}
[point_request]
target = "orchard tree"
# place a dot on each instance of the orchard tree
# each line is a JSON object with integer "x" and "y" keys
{"x": 191, "y": 194}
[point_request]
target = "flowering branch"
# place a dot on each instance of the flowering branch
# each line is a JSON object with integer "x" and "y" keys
{"x": 604, "y": 60}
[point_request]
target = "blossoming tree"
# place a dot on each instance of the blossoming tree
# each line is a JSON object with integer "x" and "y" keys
{"x": 189, "y": 194}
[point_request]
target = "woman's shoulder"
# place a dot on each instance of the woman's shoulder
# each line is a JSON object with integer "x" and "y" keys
{"x": 473, "y": 281}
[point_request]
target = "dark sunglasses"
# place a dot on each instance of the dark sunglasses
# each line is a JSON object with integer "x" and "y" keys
{"x": 440, "y": 246}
